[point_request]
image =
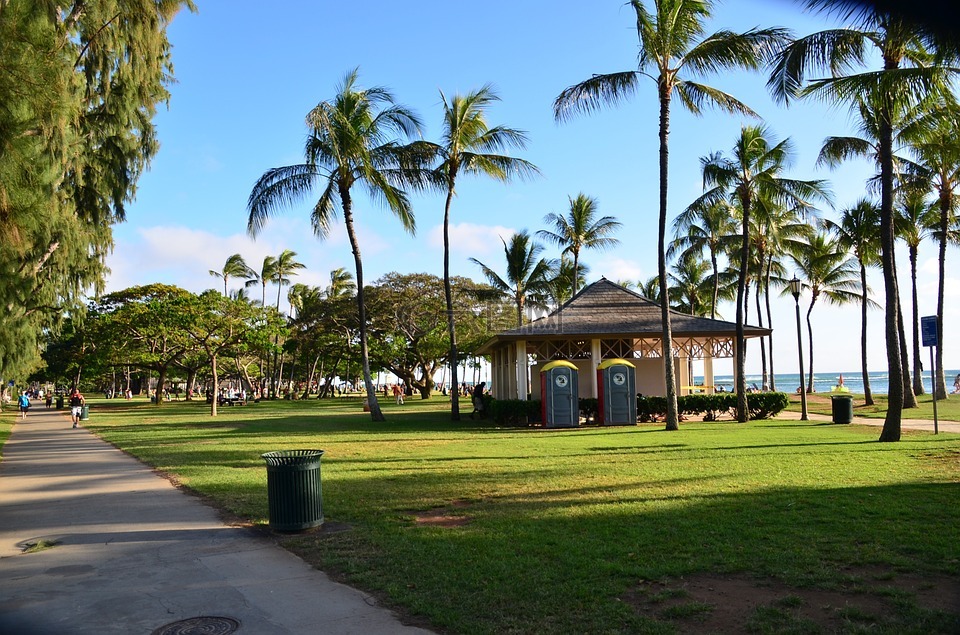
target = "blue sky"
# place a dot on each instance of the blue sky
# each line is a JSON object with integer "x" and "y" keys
{"x": 247, "y": 75}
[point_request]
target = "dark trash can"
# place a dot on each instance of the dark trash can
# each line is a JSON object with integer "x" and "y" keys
{"x": 59, "y": 402}
{"x": 84, "y": 413}
{"x": 293, "y": 489}
{"x": 841, "y": 407}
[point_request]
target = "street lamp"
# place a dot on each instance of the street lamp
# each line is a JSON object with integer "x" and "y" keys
{"x": 795, "y": 287}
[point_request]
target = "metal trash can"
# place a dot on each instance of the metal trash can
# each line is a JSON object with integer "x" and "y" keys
{"x": 841, "y": 407}
{"x": 85, "y": 413}
{"x": 59, "y": 402}
{"x": 293, "y": 489}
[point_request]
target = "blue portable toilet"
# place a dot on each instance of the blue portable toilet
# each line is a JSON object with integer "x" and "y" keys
{"x": 559, "y": 395}
{"x": 617, "y": 387}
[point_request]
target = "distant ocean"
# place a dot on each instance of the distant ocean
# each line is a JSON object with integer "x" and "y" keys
{"x": 824, "y": 382}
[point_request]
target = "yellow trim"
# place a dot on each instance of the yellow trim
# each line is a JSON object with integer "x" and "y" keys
{"x": 607, "y": 363}
{"x": 559, "y": 363}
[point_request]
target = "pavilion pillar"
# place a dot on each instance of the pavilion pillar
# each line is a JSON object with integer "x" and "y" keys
{"x": 522, "y": 370}
{"x": 595, "y": 357}
{"x": 708, "y": 374}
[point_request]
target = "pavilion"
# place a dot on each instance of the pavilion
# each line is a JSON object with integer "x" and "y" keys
{"x": 607, "y": 321}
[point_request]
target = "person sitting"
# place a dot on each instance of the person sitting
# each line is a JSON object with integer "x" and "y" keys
{"x": 477, "y": 399}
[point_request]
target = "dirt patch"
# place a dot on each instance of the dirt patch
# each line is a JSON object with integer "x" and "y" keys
{"x": 870, "y": 599}
{"x": 446, "y": 516}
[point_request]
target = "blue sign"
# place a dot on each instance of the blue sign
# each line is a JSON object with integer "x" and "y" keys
{"x": 928, "y": 330}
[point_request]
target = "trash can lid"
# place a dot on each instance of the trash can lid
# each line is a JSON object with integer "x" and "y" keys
{"x": 291, "y": 457}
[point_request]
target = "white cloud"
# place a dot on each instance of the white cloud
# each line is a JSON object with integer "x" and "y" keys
{"x": 613, "y": 269}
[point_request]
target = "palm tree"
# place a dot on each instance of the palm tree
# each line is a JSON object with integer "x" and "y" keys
{"x": 285, "y": 266}
{"x": 470, "y": 147}
{"x": 752, "y": 175}
{"x": 234, "y": 267}
{"x": 933, "y": 143}
{"x": 832, "y": 53}
{"x": 262, "y": 277}
{"x": 914, "y": 222}
{"x": 829, "y": 271}
{"x": 353, "y": 138}
{"x": 859, "y": 231}
{"x": 564, "y": 279}
{"x": 650, "y": 289}
{"x": 579, "y": 230}
{"x": 341, "y": 284}
{"x": 528, "y": 275}
{"x": 705, "y": 226}
{"x": 673, "y": 40}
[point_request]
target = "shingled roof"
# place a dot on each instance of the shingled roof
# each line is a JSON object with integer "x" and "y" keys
{"x": 607, "y": 309}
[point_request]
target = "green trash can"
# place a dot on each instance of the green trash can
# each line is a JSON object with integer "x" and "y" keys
{"x": 293, "y": 489}
{"x": 841, "y": 407}
{"x": 85, "y": 413}
{"x": 59, "y": 402}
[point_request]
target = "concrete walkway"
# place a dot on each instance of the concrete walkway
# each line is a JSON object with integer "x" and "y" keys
{"x": 905, "y": 424}
{"x": 133, "y": 554}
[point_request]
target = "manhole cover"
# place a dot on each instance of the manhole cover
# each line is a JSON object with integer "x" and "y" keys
{"x": 200, "y": 626}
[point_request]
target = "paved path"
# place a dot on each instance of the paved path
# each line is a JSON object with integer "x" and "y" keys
{"x": 135, "y": 554}
{"x": 905, "y": 424}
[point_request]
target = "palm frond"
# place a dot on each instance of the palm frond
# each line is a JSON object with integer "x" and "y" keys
{"x": 725, "y": 50}
{"x": 590, "y": 95}
{"x": 277, "y": 188}
{"x": 695, "y": 97}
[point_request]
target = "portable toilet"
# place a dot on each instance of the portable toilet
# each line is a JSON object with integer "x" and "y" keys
{"x": 559, "y": 395}
{"x": 617, "y": 388}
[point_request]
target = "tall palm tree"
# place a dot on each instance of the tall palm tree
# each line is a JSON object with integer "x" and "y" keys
{"x": 915, "y": 221}
{"x": 470, "y": 146}
{"x": 234, "y": 267}
{"x": 752, "y": 175}
{"x": 859, "y": 231}
{"x": 285, "y": 265}
{"x": 905, "y": 78}
{"x": 580, "y": 229}
{"x": 354, "y": 138}
{"x": 341, "y": 284}
{"x": 828, "y": 271}
{"x": 262, "y": 277}
{"x": 933, "y": 143}
{"x": 672, "y": 42}
{"x": 705, "y": 226}
{"x": 564, "y": 279}
{"x": 527, "y": 276}
{"x": 835, "y": 150}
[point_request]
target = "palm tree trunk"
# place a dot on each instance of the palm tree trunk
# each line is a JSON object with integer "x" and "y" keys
{"x": 448, "y": 294}
{"x": 867, "y": 394}
{"x": 909, "y": 399}
{"x": 716, "y": 283}
{"x": 766, "y": 296}
{"x": 216, "y": 385}
{"x": 939, "y": 380}
{"x": 891, "y": 423}
{"x": 810, "y": 345}
{"x": 375, "y": 413}
{"x": 917, "y": 365}
{"x": 576, "y": 272}
{"x": 666, "y": 346}
{"x": 763, "y": 340}
{"x": 741, "y": 361}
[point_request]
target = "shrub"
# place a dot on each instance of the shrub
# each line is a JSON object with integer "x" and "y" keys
{"x": 514, "y": 411}
{"x": 761, "y": 405}
{"x": 590, "y": 408}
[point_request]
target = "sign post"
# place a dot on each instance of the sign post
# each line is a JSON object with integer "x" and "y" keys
{"x": 928, "y": 330}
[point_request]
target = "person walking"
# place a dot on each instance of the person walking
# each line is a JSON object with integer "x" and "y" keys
{"x": 76, "y": 406}
{"x": 398, "y": 393}
{"x": 24, "y": 403}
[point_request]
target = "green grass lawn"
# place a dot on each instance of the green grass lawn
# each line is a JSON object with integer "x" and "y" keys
{"x": 468, "y": 528}
{"x": 947, "y": 410}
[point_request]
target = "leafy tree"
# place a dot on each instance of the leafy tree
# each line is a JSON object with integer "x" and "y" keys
{"x": 580, "y": 229}
{"x": 858, "y": 231}
{"x": 354, "y": 138}
{"x": 753, "y": 175}
{"x": 528, "y": 275}
{"x": 673, "y": 40}
{"x": 906, "y": 77}
{"x": 234, "y": 267}
{"x": 469, "y": 146}
{"x": 76, "y": 132}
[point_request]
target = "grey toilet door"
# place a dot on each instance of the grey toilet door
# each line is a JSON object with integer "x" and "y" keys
{"x": 565, "y": 412}
{"x": 618, "y": 389}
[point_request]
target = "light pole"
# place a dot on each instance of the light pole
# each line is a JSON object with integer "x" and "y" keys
{"x": 795, "y": 287}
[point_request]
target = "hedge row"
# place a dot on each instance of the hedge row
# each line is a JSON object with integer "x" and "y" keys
{"x": 761, "y": 405}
